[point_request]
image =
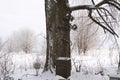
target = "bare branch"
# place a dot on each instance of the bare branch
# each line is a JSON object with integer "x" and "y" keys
{"x": 90, "y": 15}
{"x": 101, "y": 3}
{"x": 105, "y": 21}
{"x": 113, "y": 4}
{"x": 81, "y": 7}
{"x": 98, "y": 7}
{"x": 107, "y": 12}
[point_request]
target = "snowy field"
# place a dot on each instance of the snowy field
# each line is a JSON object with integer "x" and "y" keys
{"x": 88, "y": 66}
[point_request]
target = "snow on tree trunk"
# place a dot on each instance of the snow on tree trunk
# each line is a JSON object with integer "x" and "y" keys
{"x": 58, "y": 33}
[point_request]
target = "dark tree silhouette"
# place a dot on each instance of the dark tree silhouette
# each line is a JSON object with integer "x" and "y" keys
{"x": 58, "y": 16}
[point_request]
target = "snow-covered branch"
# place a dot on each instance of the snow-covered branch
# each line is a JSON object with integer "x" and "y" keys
{"x": 99, "y": 8}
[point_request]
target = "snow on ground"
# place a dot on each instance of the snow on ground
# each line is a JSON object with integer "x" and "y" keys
{"x": 22, "y": 60}
{"x": 74, "y": 76}
{"x": 78, "y": 76}
{"x": 27, "y": 75}
{"x": 90, "y": 65}
{"x": 24, "y": 68}
{"x": 95, "y": 61}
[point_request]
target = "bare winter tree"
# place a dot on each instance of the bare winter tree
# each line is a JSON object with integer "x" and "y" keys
{"x": 58, "y": 33}
{"x": 88, "y": 38}
{"x": 6, "y": 66}
{"x": 5, "y": 46}
{"x": 26, "y": 40}
{"x": 23, "y": 40}
{"x": 58, "y": 16}
{"x": 102, "y": 13}
{"x": 9, "y": 46}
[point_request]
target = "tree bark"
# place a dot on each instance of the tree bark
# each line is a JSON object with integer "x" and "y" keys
{"x": 50, "y": 24}
{"x": 61, "y": 40}
{"x": 58, "y": 33}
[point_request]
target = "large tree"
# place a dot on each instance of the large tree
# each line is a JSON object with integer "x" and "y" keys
{"x": 58, "y": 16}
{"x": 58, "y": 32}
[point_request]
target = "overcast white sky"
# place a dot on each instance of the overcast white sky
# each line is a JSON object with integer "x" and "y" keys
{"x": 17, "y": 14}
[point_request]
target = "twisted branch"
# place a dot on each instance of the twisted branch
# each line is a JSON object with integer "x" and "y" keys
{"x": 98, "y": 7}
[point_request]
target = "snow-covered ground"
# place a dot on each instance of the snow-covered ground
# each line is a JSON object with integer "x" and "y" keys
{"x": 90, "y": 66}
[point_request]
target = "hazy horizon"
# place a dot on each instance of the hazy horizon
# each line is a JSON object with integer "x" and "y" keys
{"x": 19, "y": 14}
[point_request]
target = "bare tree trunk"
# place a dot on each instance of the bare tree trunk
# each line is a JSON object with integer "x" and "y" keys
{"x": 58, "y": 34}
{"x": 50, "y": 23}
{"x": 61, "y": 46}
{"x": 58, "y": 30}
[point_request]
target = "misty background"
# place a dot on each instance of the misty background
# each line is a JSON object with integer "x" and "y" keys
{"x": 21, "y": 14}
